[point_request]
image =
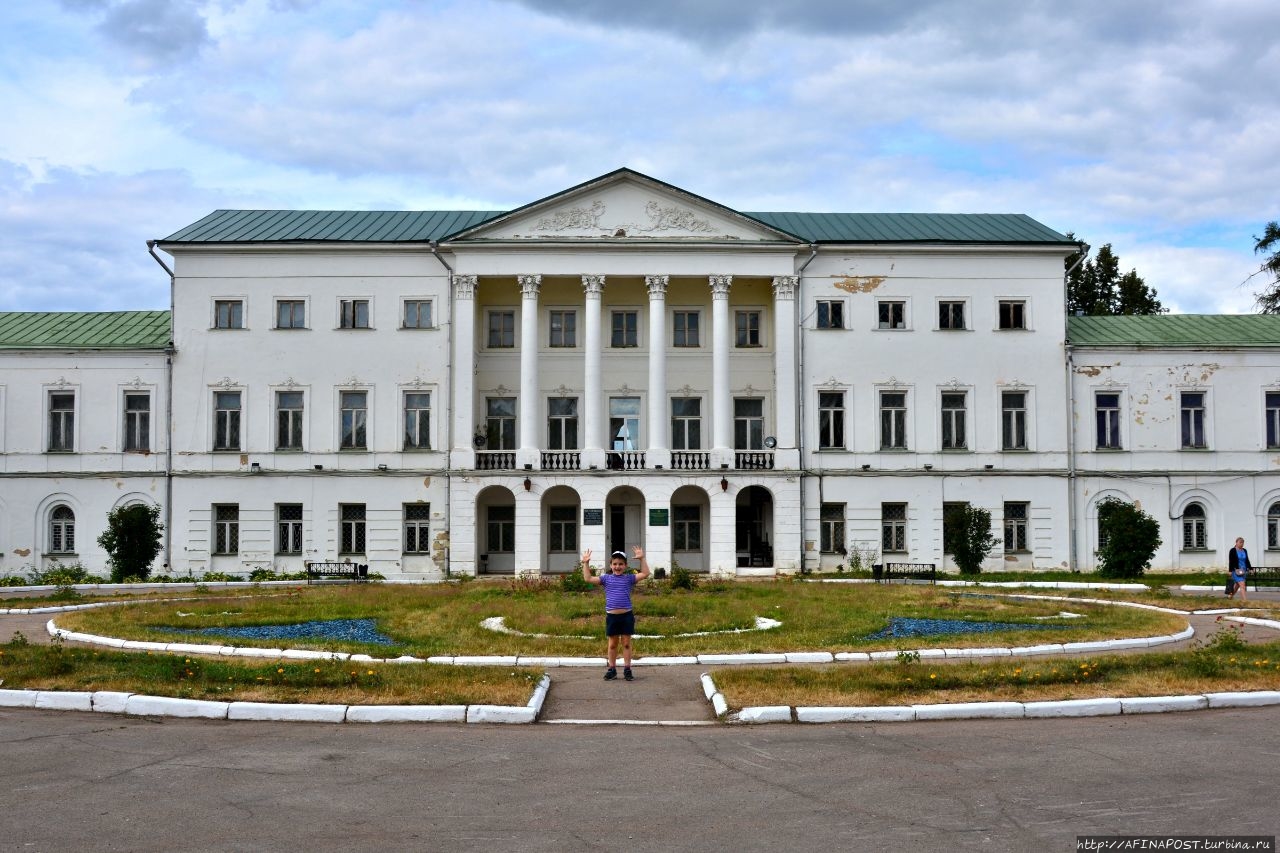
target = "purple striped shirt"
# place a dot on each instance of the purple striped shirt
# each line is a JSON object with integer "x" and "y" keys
{"x": 617, "y": 590}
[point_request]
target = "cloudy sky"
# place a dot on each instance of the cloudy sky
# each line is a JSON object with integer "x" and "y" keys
{"x": 1152, "y": 125}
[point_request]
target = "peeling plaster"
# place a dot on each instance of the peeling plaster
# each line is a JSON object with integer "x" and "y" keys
{"x": 22, "y": 552}
{"x": 1092, "y": 371}
{"x": 859, "y": 283}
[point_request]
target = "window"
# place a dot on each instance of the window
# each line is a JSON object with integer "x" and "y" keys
{"x": 1107, "y": 414}
{"x": 954, "y": 420}
{"x": 137, "y": 421}
{"x": 748, "y": 328}
{"x": 226, "y": 420}
{"x": 1273, "y": 526}
{"x": 624, "y": 423}
{"x": 686, "y": 423}
{"x": 1193, "y": 528}
{"x": 502, "y": 329}
{"x": 686, "y": 527}
{"x": 564, "y": 529}
{"x": 950, "y": 521}
{"x": 289, "y": 411}
{"x": 562, "y": 423}
{"x": 1013, "y": 314}
{"x": 352, "y": 519}
{"x": 1193, "y": 420}
{"x": 893, "y": 420}
{"x": 831, "y": 529}
{"x": 831, "y": 314}
{"x": 226, "y": 528}
{"x": 353, "y": 313}
{"x": 893, "y": 528}
{"x": 291, "y": 314}
{"x": 748, "y": 423}
{"x": 62, "y": 530}
{"x": 500, "y": 530}
{"x": 417, "y": 528}
{"x": 62, "y": 422}
{"x": 685, "y": 331}
{"x": 1013, "y": 420}
{"x": 228, "y": 314}
{"x": 1015, "y": 527}
{"x": 951, "y": 315}
{"x": 288, "y": 529}
{"x": 831, "y": 420}
{"x": 353, "y": 411}
{"x": 500, "y": 423}
{"x": 624, "y": 326}
{"x": 1273, "y": 420}
{"x": 417, "y": 420}
{"x": 892, "y": 314}
{"x": 564, "y": 328}
{"x": 417, "y": 314}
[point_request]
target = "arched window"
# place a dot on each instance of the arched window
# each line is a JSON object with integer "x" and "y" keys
{"x": 1193, "y": 527}
{"x": 1273, "y": 526}
{"x": 62, "y": 530}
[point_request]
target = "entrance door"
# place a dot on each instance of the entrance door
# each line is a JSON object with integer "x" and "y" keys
{"x": 617, "y": 529}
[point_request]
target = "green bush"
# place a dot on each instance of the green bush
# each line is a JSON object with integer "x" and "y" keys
{"x": 1129, "y": 537}
{"x": 60, "y": 574}
{"x": 682, "y": 578}
{"x": 968, "y": 537}
{"x": 574, "y": 582}
{"x": 13, "y": 580}
{"x": 132, "y": 540}
{"x": 219, "y": 577}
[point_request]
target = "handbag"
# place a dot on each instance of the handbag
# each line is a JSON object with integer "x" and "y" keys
{"x": 1231, "y": 585}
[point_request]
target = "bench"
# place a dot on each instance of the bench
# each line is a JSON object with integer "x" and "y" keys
{"x": 1264, "y": 575}
{"x": 354, "y": 571}
{"x": 887, "y": 572}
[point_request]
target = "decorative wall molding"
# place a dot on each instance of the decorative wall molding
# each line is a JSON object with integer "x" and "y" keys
{"x": 464, "y": 286}
{"x": 592, "y": 285}
{"x": 580, "y": 218}
{"x": 784, "y": 287}
{"x": 720, "y": 285}
{"x": 657, "y": 284}
{"x": 529, "y": 285}
{"x": 673, "y": 218}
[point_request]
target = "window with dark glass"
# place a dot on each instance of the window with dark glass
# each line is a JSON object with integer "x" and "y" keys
{"x": 748, "y": 423}
{"x": 62, "y": 530}
{"x": 353, "y": 313}
{"x": 288, "y": 529}
{"x": 686, "y": 527}
{"x": 892, "y": 314}
{"x": 563, "y": 535}
{"x": 954, "y": 420}
{"x": 417, "y": 528}
{"x": 1013, "y": 420}
{"x": 289, "y": 412}
{"x": 830, "y": 313}
{"x": 624, "y": 329}
{"x": 951, "y": 315}
{"x": 562, "y": 423}
{"x": 685, "y": 331}
{"x": 226, "y": 528}
{"x": 1193, "y": 437}
{"x": 747, "y": 325}
{"x": 62, "y": 422}
{"x": 291, "y": 314}
{"x": 624, "y": 423}
{"x": 1015, "y": 527}
{"x": 137, "y": 421}
{"x": 500, "y": 423}
{"x": 502, "y": 329}
{"x": 226, "y": 420}
{"x": 1273, "y": 420}
{"x": 1013, "y": 314}
{"x": 950, "y": 519}
{"x": 893, "y": 528}
{"x": 1273, "y": 526}
{"x": 354, "y": 415}
{"x": 417, "y": 420}
{"x": 1193, "y": 528}
{"x": 500, "y": 529}
{"x": 831, "y": 420}
{"x": 417, "y": 314}
{"x": 351, "y": 517}
{"x": 831, "y": 537}
{"x": 1107, "y": 417}
{"x": 686, "y": 423}
{"x": 893, "y": 420}
{"x": 564, "y": 328}
{"x": 228, "y": 314}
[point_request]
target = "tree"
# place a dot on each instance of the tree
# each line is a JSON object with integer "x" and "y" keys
{"x": 1096, "y": 287}
{"x": 967, "y": 537}
{"x": 1128, "y": 539}
{"x": 1269, "y": 298}
{"x": 131, "y": 540}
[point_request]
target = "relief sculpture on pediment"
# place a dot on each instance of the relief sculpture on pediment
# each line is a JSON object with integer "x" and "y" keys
{"x": 573, "y": 218}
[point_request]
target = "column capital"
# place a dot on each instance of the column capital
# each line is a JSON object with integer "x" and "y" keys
{"x": 784, "y": 287}
{"x": 720, "y": 285}
{"x": 592, "y": 285}
{"x": 464, "y": 286}
{"x": 657, "y": 284}
{"x": 530, "y": 285}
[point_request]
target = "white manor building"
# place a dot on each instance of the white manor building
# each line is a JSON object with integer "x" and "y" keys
{"x": 625, "y": 363}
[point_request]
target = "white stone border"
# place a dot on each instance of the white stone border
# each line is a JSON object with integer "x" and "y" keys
{"x": 134, "y": 704}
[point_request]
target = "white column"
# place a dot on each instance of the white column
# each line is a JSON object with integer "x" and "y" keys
{"x": 784, "y": 372}
{"x": 529, "y": 402}
{"x": 721, "y": 398}
{"x": 659, "y": 452}
{"x": 462, "y": 453}
{"x": 592, "y": 406}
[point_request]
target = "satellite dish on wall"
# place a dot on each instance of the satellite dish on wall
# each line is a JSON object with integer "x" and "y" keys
{"x": 770, "y": 442}
{"x": 479, "y": 441}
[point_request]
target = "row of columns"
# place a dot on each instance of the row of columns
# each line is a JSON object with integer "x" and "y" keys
{"x": 594, "y": 417}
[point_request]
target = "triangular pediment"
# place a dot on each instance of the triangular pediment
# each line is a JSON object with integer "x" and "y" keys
{"x": 625, "y": 205}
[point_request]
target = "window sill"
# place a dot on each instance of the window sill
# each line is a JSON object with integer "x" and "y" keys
{"x": 418, "y": 328}
{"x": 60, "y": 452}
{"x": 1013, "y": 329}
{"x": 891, "y": 329}
{"x": 1197, "y": 449}
{"x": 62, "y": 554}
{"x": 354, "y": 329}
{"x": 1196, "y": 551}
{"x": 291, "y": 328}
{"x": 228, "y": 328}
{"x": 1109, "y": 449}
{"x": 226, "y": 450}
{"x": 1016, "y": 450}
{"x": 830, "y": 329}
{"x": 353, "y": 450}
{"x": 955, "y": 450}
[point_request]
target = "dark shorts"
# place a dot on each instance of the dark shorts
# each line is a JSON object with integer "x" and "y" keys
{"x": 620, "y": 624}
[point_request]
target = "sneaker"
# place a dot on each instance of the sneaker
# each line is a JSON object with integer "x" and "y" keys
{"x": 610, "y": 674}
{"x": 626, "y": 673}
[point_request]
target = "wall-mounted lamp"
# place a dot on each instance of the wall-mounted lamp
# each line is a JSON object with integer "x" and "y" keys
{"x": 928, "y": 467}
{"x": 255, "y": 467}
{"x": 528, "y": 484}
{"x": 988, "y": 467}
{"x": 319, "y": 467}
{"x": 866, "y": 467}
{"x": 382, "y": 467}
{"x": 528, "y": 466}
{"x": 724, "y": 484}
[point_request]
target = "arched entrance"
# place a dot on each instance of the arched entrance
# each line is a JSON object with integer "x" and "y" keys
{"x": 561, "y": 521}
{"x": 496, "y": 531}
{"x": 754, "y": 527}
{"x": 624, "y": 520}
{"x": 690, "y": 525}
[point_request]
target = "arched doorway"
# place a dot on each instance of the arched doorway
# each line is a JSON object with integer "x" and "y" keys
{"x": 496, "y": 531}
{"x": 624, "y": 520}
{"x": 690, "y": 524}
{"x": 561, "y": 523}
{"x": 754, "y": 527}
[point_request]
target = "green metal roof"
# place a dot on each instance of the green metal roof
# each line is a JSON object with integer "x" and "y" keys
{"x": 84, "y": 330}
{"x": 383, "y": 226}
{"x": 1176, "y": 330}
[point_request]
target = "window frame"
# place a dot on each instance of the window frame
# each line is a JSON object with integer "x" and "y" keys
{"x": 1187, "y": 417}
{"x": 617, "y": 422}
{"x": 563, "y": 424}
{"x": 903, "y": 319}
{"x": 677, "y": 332}
{"x": 943, "y": 312}
{"x": 353, "y": 531}
{"x": 830, "y": 320}
{"x": 143, "y": 419}
{"x": 745, "y": 332}
{"x": 503, "y": 314}
{"x": 294, "y": 301}
{"x": 886, "y": 416}
{"x": 562, "y": 531}
{"x": 423, "y": 430}
{"x": 1016, "y": 526}
{"x": 289, "y": 531}
{"x": 62, "y": 531}
{"x": 1023, "y": 306}
{"x": 225, "y": 541}
{"x": 354, "y": 303}
{"x": 686, "y": 532}
{"x": 506, "y": 423}
{"x": 229, "y": 301}
{"x": 67, "y": 421}
{"x": 239, "y": 410}
{"x": 960, "y": 444}
{"x": 831, "y": 420}
{"x": 680, "y": 425}
{"x": 1195, "y": 527}
{"x": 745, "y": 422}
{"x": 568, "y": 330}
{"x": 417, "y": 530}
{"x": 632, "y": 334}
{"x": 297, "y": 420}
{"x": 1115, "y": 421}
{"x": 1020, "y": 417}
{"x": 417, "y": 301}
{"x": 893, "y": 528}
{"x": 359, "y": 425}
{"x": 832, "y": 519}
{"x": 504, "y": 528}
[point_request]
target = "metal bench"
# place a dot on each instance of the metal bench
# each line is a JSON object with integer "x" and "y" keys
{"x": 888, "y": 572}
{"x": 1262, "y": 575}
{"x": 353, "y": 571}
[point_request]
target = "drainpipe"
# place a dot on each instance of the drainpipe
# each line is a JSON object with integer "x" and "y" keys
{"x": 1071, "y": 410}
{"x": 448, "y": 436}
{"x": 800, "y": 395}
{"x": 169, "y": 353}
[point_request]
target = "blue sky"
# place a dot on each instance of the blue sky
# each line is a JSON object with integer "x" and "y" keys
{"x": 1148, "y": 125}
